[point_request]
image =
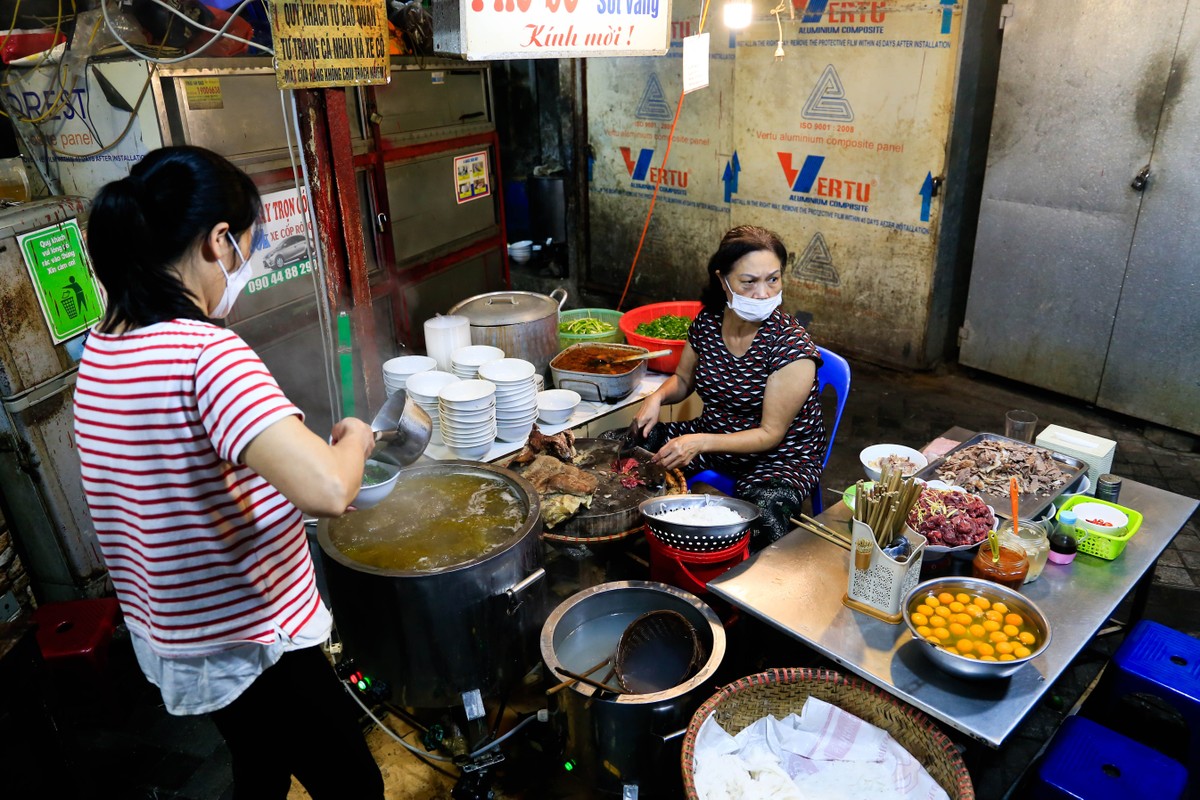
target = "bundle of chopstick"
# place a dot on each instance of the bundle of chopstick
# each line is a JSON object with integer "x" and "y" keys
{"x": 885, "y": 506}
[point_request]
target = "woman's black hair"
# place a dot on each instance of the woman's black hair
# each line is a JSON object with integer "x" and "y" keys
{"x": 736, "y": 243}
{"x": 142, "y": 226}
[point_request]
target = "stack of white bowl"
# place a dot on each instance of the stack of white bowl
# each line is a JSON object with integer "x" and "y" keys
{"x": 516, "y": 396}
{"x": 423, "y": 388}
{"x": 467, "y": 413}
{"x": 520, "y": 251}
{"x": 397, "y": 371}
{"x": 466, "y": 361}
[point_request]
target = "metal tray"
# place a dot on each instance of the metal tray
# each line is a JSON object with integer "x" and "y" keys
{"x": 1028, "y": 505}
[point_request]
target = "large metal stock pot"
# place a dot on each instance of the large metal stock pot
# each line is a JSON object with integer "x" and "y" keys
{"x": 436, "y": 636}
{"x": 628, "y": 739}
{"x": 522, "y": 324}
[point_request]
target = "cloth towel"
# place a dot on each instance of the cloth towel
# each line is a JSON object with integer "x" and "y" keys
{"x": 824, "y": 753}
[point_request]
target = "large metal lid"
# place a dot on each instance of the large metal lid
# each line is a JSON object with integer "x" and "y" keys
{"x": 507, "y": 308}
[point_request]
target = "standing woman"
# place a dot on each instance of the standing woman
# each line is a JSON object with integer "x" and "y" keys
{"x": 755, "y": 368}
{"x": 196, "y": 469}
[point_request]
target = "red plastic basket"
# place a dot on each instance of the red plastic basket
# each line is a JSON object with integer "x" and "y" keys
{"x": 635, "y": 317}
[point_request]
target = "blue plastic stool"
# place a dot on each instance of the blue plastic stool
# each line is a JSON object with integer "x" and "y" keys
{"x": 1087, "y": 761}
{"x": 1163, "y": 662}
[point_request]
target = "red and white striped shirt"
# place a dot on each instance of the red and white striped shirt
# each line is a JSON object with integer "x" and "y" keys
{"x": 203, "y": 552}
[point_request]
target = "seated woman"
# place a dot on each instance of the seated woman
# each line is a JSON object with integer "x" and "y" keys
{"x": 755, "y": 368}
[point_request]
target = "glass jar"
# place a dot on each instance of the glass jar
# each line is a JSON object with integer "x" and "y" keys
{"x": 1031, "y": 536}
{"x": 1009, "y": 571}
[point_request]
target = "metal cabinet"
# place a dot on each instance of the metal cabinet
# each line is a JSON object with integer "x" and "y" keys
{"x": 1082, "y": 282}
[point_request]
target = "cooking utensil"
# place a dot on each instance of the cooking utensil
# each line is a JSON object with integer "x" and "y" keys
{"x": 522, "y": 324}
{"x": 604, "y": 687}
{"x": 658, "y": 650}
{"x": 698, "y": 538}
{"x": 558, "y": 687}
{"x": 403, "y": 435}
{"x": 592, "y": 386}
{"x": 1014, "y": 496}
{"x": 634, "y": 357}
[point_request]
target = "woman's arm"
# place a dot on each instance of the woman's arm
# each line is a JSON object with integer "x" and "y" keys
{"x": 675, "y": 388}
{"x": 318, "y": 478}
{"x": 787, "y": 391}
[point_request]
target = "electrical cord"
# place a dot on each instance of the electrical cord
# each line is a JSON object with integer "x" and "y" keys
{"x": 392, "y": 733}
{"x": 219, "y": 33}
{"x": 195, "y": 24}
{"x": 658, "y": 183}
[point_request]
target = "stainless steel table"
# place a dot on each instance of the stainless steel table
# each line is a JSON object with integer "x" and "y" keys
{"x": 796, "y": 585}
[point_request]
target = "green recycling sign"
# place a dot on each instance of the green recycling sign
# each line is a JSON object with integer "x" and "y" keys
{"x": 66, "y": 289}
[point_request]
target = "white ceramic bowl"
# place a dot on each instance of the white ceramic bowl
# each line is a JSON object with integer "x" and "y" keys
{"x": 466, "y": 423}
{"x": 467, "y": 396}
{"x": 470, "y": 452}
{"x": 403, "y": 366}
{"x": 515, "y": 417}
{"x": 1081, "y": 486}
{"x": 507, "y": 370}
{"x": 514, "y": 433}
{"x": 451, "y": 441}
{"x": 423, "y": 387}
{"x": 451, "y": 436}
{"x": 373, "y": 495}
{"x": 555, "y": 406}
{"x": 1118, "y": 521}
{"x": 878, "y": 451}
{"x": 475, "y": 355}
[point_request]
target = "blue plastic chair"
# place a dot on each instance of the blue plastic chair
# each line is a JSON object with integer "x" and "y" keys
{"x": 835, "y": 372}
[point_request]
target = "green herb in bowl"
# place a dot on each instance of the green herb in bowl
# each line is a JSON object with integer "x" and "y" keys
{"x": 375, "y": 473}
{"x": 584, "y": 326}
{"x": 668, "y": 326}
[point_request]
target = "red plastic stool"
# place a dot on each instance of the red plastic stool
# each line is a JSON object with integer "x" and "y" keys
{"x": 75, "y": 635}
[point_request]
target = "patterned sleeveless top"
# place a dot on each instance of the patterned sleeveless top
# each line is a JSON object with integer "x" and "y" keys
{"x": 732, "y": 388}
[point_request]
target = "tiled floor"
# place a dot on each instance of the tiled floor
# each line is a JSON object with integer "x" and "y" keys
{"x": 118, "y": 742}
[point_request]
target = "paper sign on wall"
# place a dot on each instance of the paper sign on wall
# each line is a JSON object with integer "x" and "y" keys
{"x": 471, "y": 178}
{"x": 203, "y": 93}
{"x": 320, "y": 43}
{"x": 66, "y": 290}
{"x": 491, "y": 29}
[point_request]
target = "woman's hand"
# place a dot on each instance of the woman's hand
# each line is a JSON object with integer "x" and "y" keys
{"x": 680, "y": 451}
{"x": 355, "y": 429}
{"x": 647, "y": 416}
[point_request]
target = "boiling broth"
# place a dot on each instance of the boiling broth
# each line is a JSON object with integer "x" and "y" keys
{"x": 431, "y": 522}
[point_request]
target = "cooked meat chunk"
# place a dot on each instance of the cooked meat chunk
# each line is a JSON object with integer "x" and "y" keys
{"x": 551, "y": 476}
{"x": 561, "y": 445}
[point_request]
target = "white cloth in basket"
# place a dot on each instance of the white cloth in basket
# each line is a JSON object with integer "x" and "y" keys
{"x": 824, "y": 753}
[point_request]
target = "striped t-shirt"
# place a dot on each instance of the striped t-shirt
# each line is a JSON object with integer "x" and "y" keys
{"x": 204, "y": 554}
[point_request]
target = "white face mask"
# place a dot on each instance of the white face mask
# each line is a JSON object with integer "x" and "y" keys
{"x": 752, "y": 309}
{"x": 233, "y": 283}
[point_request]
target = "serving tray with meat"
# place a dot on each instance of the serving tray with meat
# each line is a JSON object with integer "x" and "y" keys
{"x": 586, "y": 491}
{"x": 984, "y": 463}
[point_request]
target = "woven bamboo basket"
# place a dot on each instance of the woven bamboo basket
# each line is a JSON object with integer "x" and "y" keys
{"x": 783, "y": 691}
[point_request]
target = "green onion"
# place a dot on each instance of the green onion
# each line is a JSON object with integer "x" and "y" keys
{"x": 668, "y": 326}
{"x": 584, "y": 326}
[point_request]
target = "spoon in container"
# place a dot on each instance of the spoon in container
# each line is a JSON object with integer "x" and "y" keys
{"x": 634, "y": 357}
{"x": 1012, "y": 493}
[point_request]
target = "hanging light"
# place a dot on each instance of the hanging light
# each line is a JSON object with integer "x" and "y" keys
{"x": 738, "y": 14}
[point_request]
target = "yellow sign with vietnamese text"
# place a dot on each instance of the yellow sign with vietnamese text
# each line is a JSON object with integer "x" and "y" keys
{"x": 203, "y": 93}
{"x": 321, "y": 44}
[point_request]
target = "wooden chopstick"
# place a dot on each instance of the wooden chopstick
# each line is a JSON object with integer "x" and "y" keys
{"x": 829, "y": 537}
{"x": 818, "y": 524}
{"x": 558, "y": 687}
{"x": 590, "y": 682}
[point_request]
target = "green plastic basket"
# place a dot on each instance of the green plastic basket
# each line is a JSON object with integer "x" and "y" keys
{"x": 613, "y": 318}
{"x": 1103, "y": 545}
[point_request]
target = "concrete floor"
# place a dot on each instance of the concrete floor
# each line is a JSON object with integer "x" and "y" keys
{"x": 121, "y": 744}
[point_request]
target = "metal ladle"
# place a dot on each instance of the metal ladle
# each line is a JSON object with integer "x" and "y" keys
{"x": 402, "y": 430}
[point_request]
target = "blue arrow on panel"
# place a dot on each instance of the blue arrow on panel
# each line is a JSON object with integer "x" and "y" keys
{"x": 730, "y": 176}
{"x": 946, "y": 15}
{"x": 926, "y": 196}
